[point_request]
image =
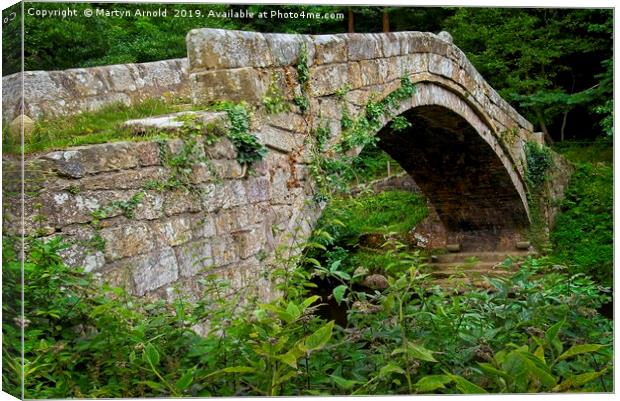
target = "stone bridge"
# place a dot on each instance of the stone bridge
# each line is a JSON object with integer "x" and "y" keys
{"x": 464, "y": 149}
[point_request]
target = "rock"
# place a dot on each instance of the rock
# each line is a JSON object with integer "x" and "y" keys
{"x": 15, "y": 128}
{"x": 445, "y": 36}
{"x": 376, "y": 282}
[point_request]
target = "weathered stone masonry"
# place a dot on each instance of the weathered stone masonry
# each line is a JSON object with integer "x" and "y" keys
{"x": 233, "y": 222}
{"x": 58, "y": 93}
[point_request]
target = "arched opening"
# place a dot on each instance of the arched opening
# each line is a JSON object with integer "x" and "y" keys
{"x": 461, "y": 175}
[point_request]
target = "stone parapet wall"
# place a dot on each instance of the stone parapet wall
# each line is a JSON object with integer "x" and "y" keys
{"x": 240, "y": 66}
{"x": 66, "y": 92}
{"x": 101, "y": 199}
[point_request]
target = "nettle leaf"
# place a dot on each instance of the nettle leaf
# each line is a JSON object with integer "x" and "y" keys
{"x": 339, "y": 293}
{"x": 489, "y": 369}
{"x": 293, "y": 310}
{"x": 578, "y": 380}
{"x": 416, "y": 351}
{"x": 185, "y": 380}
{"x": 465, "y": 386}
{"x": 290, "y": 358}
{"x": 151, "y": 355}
{"x": 390, "y": 368}
{"x": 580, "y": 349}
{"x": 343, "y": 383}
{"x": 432, "y": 383}
{"x": 309, "y": 301}
{"x": 319, "y": 338}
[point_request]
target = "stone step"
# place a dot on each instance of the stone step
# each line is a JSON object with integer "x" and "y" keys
{"x": 465, "y": 257}
{"x": 461, "y": 284}
{"x": 473, "y": 266}
{"x": 471, "y": 273}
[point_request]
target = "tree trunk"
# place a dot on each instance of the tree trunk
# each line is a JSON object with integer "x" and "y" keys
{"x": 350, "y": 21}
{"x": 543, "y": 127}
{"x": 563, "y": 126}
{"x": 386, "y": 20}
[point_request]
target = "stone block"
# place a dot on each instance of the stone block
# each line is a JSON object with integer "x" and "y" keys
{"x": 221, "y": 49}
{"x": 181, "y": 201}
{"x": 202, "y": 225}
{"x": 330, "y": 107}
{"x": 289, "y": 121}
{"x": 355, "y": 75}
{"x": 224, "y": 250}
{"x": 127, "y": 240}
{"x": 327, "y": 79}
{"x": 154, "y": 270}
{"x": 285, "y": 48}
{"x": 257, "y": 189}
{"x": 441, "y": 66}
{"x": 222, "y": 195}
{"x": 222, "y": 149}
{"x": 227, "y": 169}
{"x": 173, "y": 231}
{"x": 249, "y": 241}
{"x": 240, "y": 84}
{"x": 202, "y": 172}
{"x": 413, "y": 63}
{"x": 364, "y": 46}
{"x": 280, "y": 140}
{"x": 127, "y": 179}
{"x": 230, "y": 220}
{"x": 390, "y": 44}
{"x": 194, "y": 257}
{"x": 330, "y": 49}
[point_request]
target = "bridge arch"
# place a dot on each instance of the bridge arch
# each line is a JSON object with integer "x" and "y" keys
{"x": 465, "y": 149}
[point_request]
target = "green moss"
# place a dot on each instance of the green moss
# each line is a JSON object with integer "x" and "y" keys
{"x": 89, "y": 127}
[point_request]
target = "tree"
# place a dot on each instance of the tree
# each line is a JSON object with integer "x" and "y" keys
{"x": 535, "y": 58}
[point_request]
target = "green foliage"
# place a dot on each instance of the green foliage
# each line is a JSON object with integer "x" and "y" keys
{"x": 399, "y": 123}
{"x": 582, "y": 237}
{"x": 273, "y": 100}
{"x": 303, "y": 102}
{"x": 538, "y": 331}
{"x": 539, "y": 160}
{"x": 249, "y": 149}
{"x": 385, "y": 212}
{"x": 126, "y": 208}
{"x": 531, "y": 57}
{"x": 303, "y": 72}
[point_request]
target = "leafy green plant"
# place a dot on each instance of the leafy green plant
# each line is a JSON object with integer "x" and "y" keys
{"x": 539, "y": 160}
{"x": 249, "y": 149}
{"x": 273, "y": 100}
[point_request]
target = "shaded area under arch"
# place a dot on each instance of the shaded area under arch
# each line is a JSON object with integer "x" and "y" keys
{"x": 463, "y": 178}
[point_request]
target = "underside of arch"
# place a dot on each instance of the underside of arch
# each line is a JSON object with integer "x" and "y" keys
{"x": 462, "y": 175}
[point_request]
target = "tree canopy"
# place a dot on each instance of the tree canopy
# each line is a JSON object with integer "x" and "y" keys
{"x": 554, "y": 65}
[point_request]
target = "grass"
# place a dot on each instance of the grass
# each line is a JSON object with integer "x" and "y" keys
{"x": 582, "y": 237}
{"x": 90, "y": 127}
{"x": 371, "y": 164}
{"x": 386, "y": 212}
